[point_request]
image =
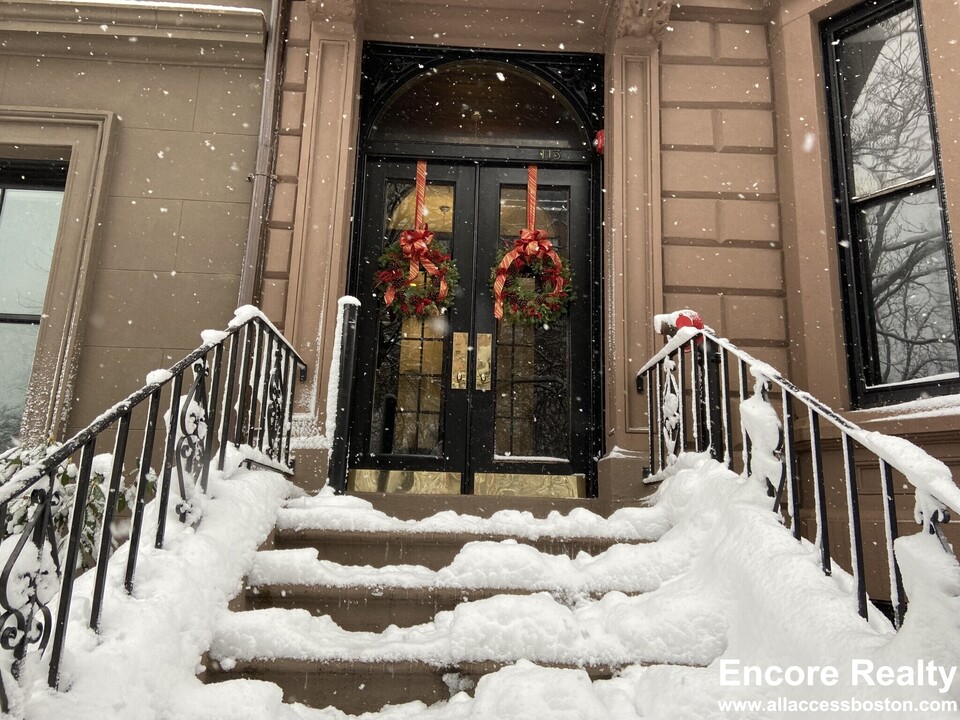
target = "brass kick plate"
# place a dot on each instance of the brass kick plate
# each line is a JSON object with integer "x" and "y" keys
{"x": 410, "y": 482}
{"x": 458, "y": 369}
{"x": 519, "y": 485}
{"x": 484, "y": 352}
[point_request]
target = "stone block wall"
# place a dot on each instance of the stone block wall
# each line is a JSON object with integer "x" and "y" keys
{"x": 722, "y": 251}
{"x": 171, "y": 226}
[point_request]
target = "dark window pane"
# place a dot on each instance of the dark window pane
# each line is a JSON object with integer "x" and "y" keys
{"x": 28, "y": 232}
{"x": 904, "y": 260}
{"x": 885, "y": 109}
{"x": 532, "y": 391}
{"x": 409, "y": 387}
{"x": 17, "y": 345}
{"x": 480, "y": 103}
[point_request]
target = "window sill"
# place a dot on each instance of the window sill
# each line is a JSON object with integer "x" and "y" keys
{"x": 928, "y": 417}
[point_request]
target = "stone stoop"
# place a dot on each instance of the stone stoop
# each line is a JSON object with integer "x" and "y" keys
{"x": 358, "y": 686}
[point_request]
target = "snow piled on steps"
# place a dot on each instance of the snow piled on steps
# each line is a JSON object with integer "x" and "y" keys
{"x": 327, "y": 511}
{"x": 144, "y": 662}
{"x": 724, "y": 562}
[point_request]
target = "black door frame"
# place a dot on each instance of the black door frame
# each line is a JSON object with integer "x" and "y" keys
{"x": 579, "y": 78}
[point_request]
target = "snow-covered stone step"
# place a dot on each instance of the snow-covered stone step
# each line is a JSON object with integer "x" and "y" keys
{"x": 350, "y": 531}
{"x": 411, "y": 506}
{"x": 367, "y": 609}
{"x": 433, "y": 550}
{"x": 319, "y": 663}
{"x": 350, "y": 512}
{"x": 615, "y": 631}
{"x": 369, "y": 598}
{"x": 506, "y": 565}
{"x": 341, "y": 512}
{"x": 356, "y": 687}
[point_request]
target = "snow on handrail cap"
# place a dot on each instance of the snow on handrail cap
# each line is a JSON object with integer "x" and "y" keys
{"x": 246, "y": 313}
{"x": 928, "y": 475}
{"x": 683, "y": 336}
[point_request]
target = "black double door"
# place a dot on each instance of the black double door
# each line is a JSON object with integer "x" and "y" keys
{"x": 460, "y": 402}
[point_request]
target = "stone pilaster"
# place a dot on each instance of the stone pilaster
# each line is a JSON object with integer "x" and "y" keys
{"x": 322, "y": 211}
{"x": 634, "y": 269}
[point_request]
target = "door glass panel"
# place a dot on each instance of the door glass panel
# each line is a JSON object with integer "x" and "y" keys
{"x": 411, "y": 357}
{"x": 532, "y": 362}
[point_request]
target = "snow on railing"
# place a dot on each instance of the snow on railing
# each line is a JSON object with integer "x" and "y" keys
{"x": 340, "y": 391}
{"x": 253, "y": 393}
{"x": 688, "y": 388}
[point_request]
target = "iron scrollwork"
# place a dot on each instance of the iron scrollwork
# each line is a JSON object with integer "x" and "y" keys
{"x": 29, "y": 582}
{"x": 276, "y": 407}
{"x": 670, "y": 409}
{"x": 191, "y": 441}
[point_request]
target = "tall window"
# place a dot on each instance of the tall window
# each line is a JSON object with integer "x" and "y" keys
{"x": 896, "y": 262}
{"x": 31, "y": 193}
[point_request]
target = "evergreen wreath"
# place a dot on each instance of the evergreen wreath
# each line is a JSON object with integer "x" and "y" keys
{"x": 409, "y": 291}
{"x": 531, "y": 256}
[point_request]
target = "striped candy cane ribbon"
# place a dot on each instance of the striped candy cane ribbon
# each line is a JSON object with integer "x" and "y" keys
{"x": 531, "y": 245}
{"x": 416, "y": 243}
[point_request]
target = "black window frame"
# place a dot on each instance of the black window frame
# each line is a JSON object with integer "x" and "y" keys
{"x": 855, "y": 307}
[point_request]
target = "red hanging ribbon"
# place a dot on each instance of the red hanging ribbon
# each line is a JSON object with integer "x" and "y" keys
{"x": 416, "y": 243}
{"x": 531, "y": 245}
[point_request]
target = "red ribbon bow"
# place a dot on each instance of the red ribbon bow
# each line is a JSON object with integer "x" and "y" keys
{"x": 531, "y": 245}
{"x": 415, "y": 245}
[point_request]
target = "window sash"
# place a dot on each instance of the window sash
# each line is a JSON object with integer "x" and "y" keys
{"x": 864, "y": 317}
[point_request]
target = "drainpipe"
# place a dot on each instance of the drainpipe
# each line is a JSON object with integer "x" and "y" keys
{"x": 262, "y": 177}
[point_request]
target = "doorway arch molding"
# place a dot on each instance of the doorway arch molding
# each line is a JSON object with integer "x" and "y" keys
{"x": 577, "y": 77}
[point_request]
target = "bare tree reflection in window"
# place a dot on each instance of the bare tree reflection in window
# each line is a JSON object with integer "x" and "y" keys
{"x": 901, "y": 255}
{"x": 906, "y": 270}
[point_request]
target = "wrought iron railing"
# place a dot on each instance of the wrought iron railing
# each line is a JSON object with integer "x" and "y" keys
{"x": 250, "y": 395}
{"x": 689, "y": 388}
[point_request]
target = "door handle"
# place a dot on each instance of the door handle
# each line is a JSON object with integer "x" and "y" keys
{"x": 458, "y": 368}
{"x": 484, "y": 357}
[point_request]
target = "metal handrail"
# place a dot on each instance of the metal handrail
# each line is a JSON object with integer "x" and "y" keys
{"x": 707, "y": 425}
{"x": 255, "y": 408}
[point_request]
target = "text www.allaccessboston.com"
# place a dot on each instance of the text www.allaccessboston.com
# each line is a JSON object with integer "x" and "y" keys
{"x": 787, "y": 705}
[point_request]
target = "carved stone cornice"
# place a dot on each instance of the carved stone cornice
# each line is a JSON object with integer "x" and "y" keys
{"x": 643, "y": 19}
{"x": 344, "y": 13}
{"x": 145, "y": 31}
